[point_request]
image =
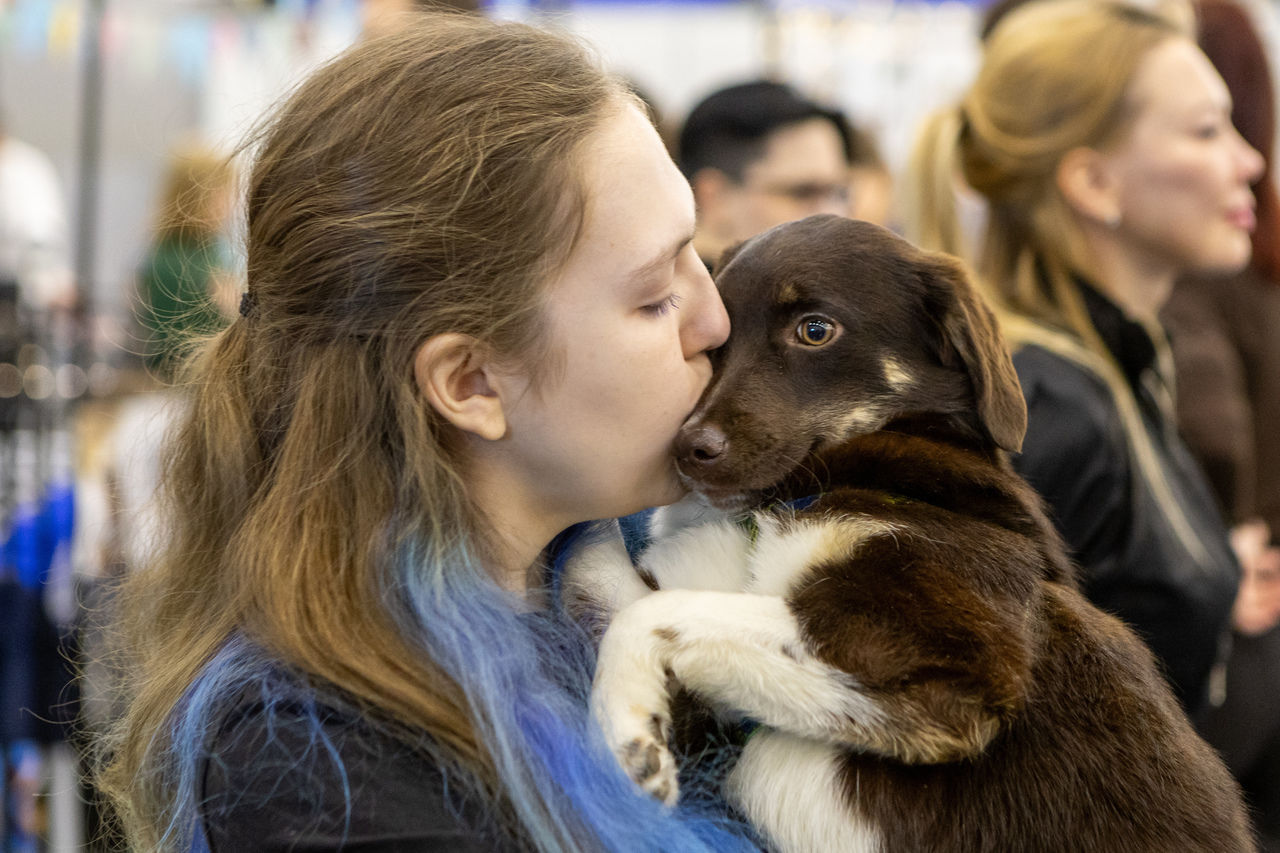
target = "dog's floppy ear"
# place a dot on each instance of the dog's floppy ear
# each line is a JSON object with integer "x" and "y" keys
{"x": 970, "y": 328}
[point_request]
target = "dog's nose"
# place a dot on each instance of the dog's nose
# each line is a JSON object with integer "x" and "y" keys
{"x": 700, "y": 445}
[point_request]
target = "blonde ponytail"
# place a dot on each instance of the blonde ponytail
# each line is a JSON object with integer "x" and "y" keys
{"x": 930, "y": 212}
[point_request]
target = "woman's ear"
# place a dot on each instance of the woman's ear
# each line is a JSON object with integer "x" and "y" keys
{"x": 455, "y": 373}
{"x": 1090, "y": 187}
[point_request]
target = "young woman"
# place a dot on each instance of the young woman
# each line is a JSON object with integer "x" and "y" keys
{"x": 1100, "y": 138}
{"x": 474, "y": 317}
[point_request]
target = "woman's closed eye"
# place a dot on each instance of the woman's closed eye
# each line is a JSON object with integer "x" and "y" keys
{"x": 1213, "y": 125}
{"x": 1209, "y": 130}
{"x": 662, "y": 306}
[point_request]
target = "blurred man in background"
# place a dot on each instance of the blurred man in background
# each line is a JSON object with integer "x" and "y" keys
{"x": 759, "y": 154}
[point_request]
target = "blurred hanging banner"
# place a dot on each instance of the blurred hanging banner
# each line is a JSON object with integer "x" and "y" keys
{"x": 180, "y": 41}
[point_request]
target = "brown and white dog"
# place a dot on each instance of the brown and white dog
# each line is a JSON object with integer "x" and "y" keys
{"x": 909, "y": 635}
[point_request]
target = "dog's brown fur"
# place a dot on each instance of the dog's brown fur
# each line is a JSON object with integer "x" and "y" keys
{"x": 1021, "y": 717}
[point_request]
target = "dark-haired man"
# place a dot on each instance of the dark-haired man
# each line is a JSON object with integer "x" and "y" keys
{"x": 759, "y": 154}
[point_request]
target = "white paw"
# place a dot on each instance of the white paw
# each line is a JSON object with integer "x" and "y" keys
{"x": 636, "y": 720}
{"x": 650, "y": 765}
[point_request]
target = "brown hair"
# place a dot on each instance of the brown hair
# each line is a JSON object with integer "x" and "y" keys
{"x": 1229, "y": 39}
{"x": 192, "y": 190}
{"x": 422, "y": 182}
{"x": 1055, "y": 76}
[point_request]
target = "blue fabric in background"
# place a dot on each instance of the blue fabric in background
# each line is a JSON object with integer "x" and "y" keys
{"x": 35, "y": 533}
{"x": 34, "y": 670}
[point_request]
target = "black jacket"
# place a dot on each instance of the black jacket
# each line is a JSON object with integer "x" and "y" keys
{"x": 305, "y": 773}
{"x": 1133, "y": 561}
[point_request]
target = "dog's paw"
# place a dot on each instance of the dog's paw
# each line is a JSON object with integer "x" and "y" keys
{"x": 645, "y": 756}
{"x": 634, "y": 714}
{"x": 651, "y": 765}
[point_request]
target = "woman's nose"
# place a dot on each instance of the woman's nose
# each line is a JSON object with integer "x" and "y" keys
{"x": 1251, "y": 162}
{"x": 706, "y": 323}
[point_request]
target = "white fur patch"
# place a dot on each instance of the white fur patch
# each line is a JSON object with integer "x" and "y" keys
{"x": 725, "y": 631}
{"x": 743, "y": 652}
{"x": 790, "y": 787}
{"x": 710, "y": 556}
{"x": 783, "y": 556}
{"x": 861, "y": 419}
{"x": 895, "y": 376}
{"x": 601, "y": 572}
{"x": 691, "y": 511}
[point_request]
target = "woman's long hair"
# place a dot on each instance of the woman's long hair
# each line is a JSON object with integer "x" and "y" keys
{"x": 423, "y": 182}
{"x": 1056, "y": 75}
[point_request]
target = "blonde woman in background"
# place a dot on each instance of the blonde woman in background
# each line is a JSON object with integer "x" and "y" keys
{"x": 1100, "y": 139}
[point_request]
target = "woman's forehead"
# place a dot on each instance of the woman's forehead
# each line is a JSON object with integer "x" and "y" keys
{"x": 1175, "y": 79}
{"x": 637, "y": 202}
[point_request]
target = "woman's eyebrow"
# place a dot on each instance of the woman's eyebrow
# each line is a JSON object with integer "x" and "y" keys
{"x": 662, "y": 258}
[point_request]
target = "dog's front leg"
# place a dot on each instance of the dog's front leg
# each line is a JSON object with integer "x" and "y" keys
{"x": 741, "y": 652}
{"x": 599, "y": 578}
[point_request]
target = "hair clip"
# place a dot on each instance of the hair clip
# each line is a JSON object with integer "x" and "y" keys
{"x": 246, "y": 304}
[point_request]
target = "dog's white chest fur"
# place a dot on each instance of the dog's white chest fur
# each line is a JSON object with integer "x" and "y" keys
{"x": 789, "y": 785}
{"x": 693, "y": 548}
{"x": 720, "y": 620}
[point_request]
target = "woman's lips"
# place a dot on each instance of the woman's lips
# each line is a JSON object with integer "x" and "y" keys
{"x": 1243, "y": 218}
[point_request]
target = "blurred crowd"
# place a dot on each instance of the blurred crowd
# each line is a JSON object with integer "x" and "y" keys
{"x": 1139, "y": 287}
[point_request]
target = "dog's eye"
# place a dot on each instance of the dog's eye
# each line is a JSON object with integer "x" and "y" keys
{"x": 815, "y": 331}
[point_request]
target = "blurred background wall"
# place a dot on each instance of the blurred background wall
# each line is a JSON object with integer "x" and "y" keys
{"x": 145, "y": 73}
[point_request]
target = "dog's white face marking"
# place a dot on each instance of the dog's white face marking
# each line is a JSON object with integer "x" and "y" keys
{"x": 791, "y": 786}
{"x": 692, "y": 510}
{"x": 895, "y": 376}
{"x": 783, "y": 554}
{"x": 860, "y": 419}
{"x": 870, "y": 415}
